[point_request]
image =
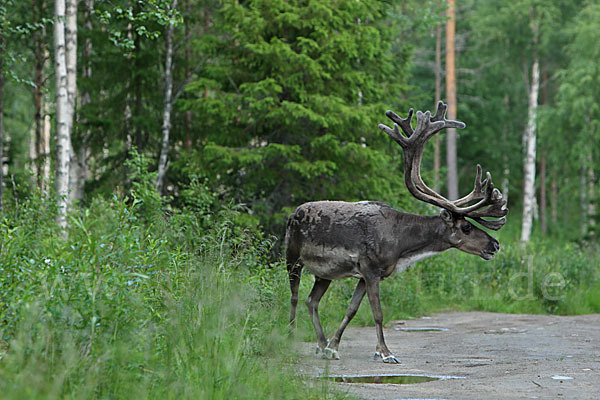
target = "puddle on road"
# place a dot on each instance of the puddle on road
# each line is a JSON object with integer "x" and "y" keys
{"x": 424, "y": 329}
{"x": 404, "y": 379}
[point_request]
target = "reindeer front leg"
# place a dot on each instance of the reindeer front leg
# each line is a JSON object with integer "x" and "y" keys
{"x": 382, "y": 349}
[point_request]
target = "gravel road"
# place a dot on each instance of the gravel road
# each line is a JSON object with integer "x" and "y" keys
{"x": 490, "y": 356}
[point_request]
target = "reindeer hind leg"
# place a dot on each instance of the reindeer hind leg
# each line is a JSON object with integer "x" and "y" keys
{"x": 312, "y": 303}
{"x": 294, "y": 268}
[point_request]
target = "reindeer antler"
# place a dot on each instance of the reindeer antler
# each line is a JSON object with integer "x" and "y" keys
{"x": 489, "y": 201}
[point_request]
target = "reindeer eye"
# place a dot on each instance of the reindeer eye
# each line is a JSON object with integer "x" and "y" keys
{"x": 466, "y": 229}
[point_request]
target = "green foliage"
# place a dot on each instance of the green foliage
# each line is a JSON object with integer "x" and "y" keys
{"x": 143, "y": 185}
{"x": 137, "y": 306}
{"x": 299, "y": 105}
{"x": 144, "y": 18}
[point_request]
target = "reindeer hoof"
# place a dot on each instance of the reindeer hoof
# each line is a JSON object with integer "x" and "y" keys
{"x": 330, "y": 354}
{"x": 391, "y": 359}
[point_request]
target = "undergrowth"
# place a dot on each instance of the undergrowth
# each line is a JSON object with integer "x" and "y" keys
{"x": 143, "y": 302}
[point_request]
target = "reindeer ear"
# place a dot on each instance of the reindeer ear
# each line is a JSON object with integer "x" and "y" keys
{"x": 447, "y": 217}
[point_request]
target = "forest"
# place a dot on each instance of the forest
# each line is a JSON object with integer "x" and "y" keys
{"x": 152, "y": 150}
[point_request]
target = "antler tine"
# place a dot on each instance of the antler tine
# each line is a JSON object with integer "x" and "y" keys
{"x": 395, "y": 134}
{"x": 404, "y": 123}
{"x": 491, "y": 224}
{"x": 440, "y": 112}
{"x": 477, "y": 193}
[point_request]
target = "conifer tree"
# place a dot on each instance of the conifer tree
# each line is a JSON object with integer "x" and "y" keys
{"x": 282, "y": 122}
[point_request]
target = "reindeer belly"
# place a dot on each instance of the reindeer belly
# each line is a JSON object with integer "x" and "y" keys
{"x": 330, "y": 262}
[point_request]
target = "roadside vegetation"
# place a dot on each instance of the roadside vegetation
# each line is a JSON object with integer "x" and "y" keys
{"x": 138, "y": 304}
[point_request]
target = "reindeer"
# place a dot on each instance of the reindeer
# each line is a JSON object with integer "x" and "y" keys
{"x": 369, "y": 240}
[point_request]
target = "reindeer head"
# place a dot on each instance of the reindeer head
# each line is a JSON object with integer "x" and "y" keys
{"x": 463, "y": 235}
{"x": 484, "y": 200}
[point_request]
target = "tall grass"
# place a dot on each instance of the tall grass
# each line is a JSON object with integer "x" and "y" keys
{"x": 135, "y": 304}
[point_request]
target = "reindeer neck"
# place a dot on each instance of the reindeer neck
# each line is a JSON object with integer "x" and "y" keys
{"x": 420, "y": 234}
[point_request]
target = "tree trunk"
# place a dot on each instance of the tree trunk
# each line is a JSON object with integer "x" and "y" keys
{"x": 2, "y": 52}
{"x": 543, "y": 222}
{"x": 42, "y": 104}
{"x": 543, "y": 202}
{"x": 40, "y": 57}
{"x": 438, "y": 96}
{"x": 75, "y": 184}
{"x": 530, "y": 153}
{"x": 168, "y": 105}
{"x": 63, "y": 134}
{"x": 137, "y": 86}
{"x": 506, "y": 167}
{"x": 451, "y": 99}
{"x": 591, "y": 190}
{"x": 84, "y": 152}
{"x": 583, "y": 202}
{"x": 188, "y": 57}
{"x": 44, "y": 144}
{"x": 554, "y": 198}
{"x": 79, "y": 171}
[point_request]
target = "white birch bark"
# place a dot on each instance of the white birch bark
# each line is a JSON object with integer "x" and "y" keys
{"x": 530, "y": 153}
{"x": 71, "y": 57}
{"x": 168, "y": 105}
{"x": 43, "y": 121}
{"x": 75, "y": 184}
{"x": 45, "y": 148}
{"x": 63, "y": 134}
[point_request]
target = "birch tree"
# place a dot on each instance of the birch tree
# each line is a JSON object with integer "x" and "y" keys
{"x": 530, "y": 140}
{"x": 63, "y": 134}
{"x": 168, "y": 103}
{"x": 75, "y": 184}
{"x": 42, "y": 119}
